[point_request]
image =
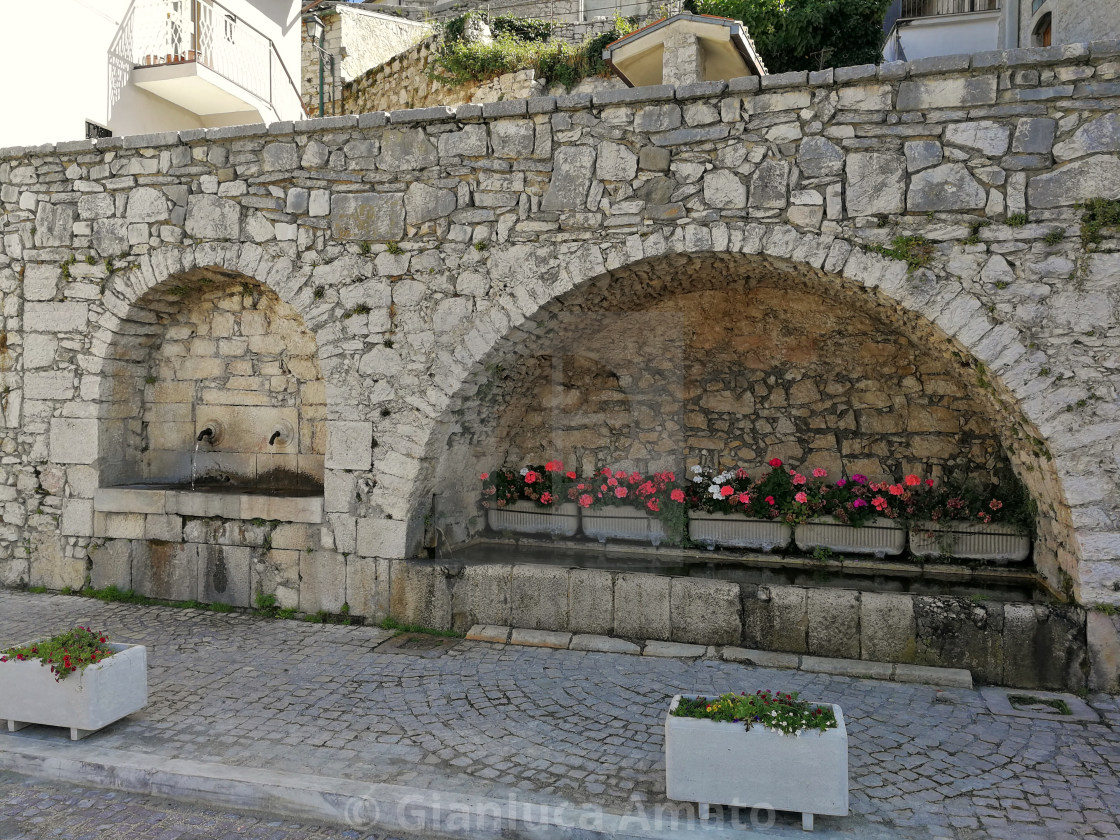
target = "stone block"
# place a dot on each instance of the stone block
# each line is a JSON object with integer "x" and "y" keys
{"x": 874, "y": 183}
{"x": 128, "y": 526}
{"x": 1103, "y": 636}
{"x": 367, "y": 216}
{"x": 322, "y": 581}
{"x": 833, "y": 623}
{"x": 366, "y": 595}
{"x": 590, "y": 601}
{"x": 958, "y": 633}
{"x": 1044, "y": 647}
{"x": 705, "y": 612}
{"x": 53, "y": 317}
{"x": 540, "y": 638}
{"x": 496, "y": 634}
{"x": 420, "y": 594}
{"x": 673, "y": 650}
{"x": 49, "y": 565}
{"x": 297, "y": 536}
{"x": 223, "y": 575}
{"x": 945, "y": 188}
{"x": 40, "y": 281}
{"x": 761, "y": 658}
{"x": 539, "y": 598}
{"x": 951, "y": 677}
{"x": 404, "y": 150}
{"x": 775, "y": 618}
{"x": 350, "y": 445}
{"x": 571, "y": 179}
{"x": 847, "y": 667}
{"x": 77, "y": 517}
{"x": 423, "y": 203}
{"x": 641, "y": 607}
{"x": 481, "y": 595}
{"x": 380, "y": 537}
{"x": 929, "y": 94}
{"x": 603, "y": 644}
{"x": 276, "y": 573}
{"x": 111, "y": 565}
{"x": 1076, "y": 182}
{"x": 211, "y": 217}
{"x": 73, "y": 440}
{"x": 165, "y": 570}
{"x": 168, "y": 527}
{"x": 886, "y": 627}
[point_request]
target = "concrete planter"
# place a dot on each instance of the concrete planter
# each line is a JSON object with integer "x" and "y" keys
{"x": 735, "y": 530}
{"x": 969, "y": 540}
{"x": 716, "y": 763}
{"x": 530, "y": 518}
{"x": 880, "y": 536}
{"x": 622, "y": 523}
{"x": 84, "y": 702}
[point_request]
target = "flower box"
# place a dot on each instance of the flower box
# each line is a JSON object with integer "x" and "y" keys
{"x": 530, "y": 518}
{"x": 969, "y": 540}
{"x": 622, "y": 523}
{"x": 84, "y": 702}
{"x": 880, "y": 536}
{"x": 735, "y": 530}
{"x": 719, "y": 763}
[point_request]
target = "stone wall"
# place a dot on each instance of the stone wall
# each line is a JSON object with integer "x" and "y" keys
{"x": 430, "y": 252}
{"x": 359, "y": 40}
{"x": 404, "y": 81}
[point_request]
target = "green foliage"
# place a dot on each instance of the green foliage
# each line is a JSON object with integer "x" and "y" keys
{"x": 393, "y": 248}
{"x": 1053, "y": 237}
{"x": 916, "y": 251}
{"x": 393, "y": 624}
{"x": 1017, "y": 220}
{"x": 65, "y": 653}
{"x": 265, "y": 602}
{"x": 781, "y": 712}
{"x": 806, "y": 34}
{"x": 524, "y": 29}
{"x": 517, "y": 47}
{"x": 1099, "y": 213}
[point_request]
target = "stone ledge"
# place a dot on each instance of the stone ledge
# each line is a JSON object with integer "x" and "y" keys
{"x": 855, "y": 668}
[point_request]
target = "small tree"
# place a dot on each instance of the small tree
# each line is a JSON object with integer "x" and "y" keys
{"x": 806, "y": 34}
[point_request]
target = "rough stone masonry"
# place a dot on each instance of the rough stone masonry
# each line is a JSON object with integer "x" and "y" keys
{"x": 433, "y": 253}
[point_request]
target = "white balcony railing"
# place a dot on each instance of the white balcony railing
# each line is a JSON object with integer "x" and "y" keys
{"x": 932, "y": 8}
{"x": 166, "y": 32}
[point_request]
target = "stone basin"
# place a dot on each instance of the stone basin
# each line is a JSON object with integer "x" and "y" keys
{"x": 228, "y": 501}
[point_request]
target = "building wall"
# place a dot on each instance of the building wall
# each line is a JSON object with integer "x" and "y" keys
{"x": 943, "y": 35}
{"x": 55, "y": 87}
{"x": 1072, "y": 21}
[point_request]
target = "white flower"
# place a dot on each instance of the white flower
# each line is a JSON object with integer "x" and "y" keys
{"x": 698, "y": 469}
{"x": 697, "y": 479}
{"x": 524, "y": 470}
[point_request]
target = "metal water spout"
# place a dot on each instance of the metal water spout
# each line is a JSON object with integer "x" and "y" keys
{"x": 205, "y": 433}
{"x": 282, "y": 434}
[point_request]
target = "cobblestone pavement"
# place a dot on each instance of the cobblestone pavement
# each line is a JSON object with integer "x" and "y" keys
{"x": 31, "y": 809}
{"x": 583, "y": 727}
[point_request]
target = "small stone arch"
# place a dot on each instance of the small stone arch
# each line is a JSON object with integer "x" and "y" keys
{"x": 936, "y": 308}
{"x": 187, "y": 341}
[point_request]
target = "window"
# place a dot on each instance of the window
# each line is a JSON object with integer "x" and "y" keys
{"x": 1041, "y": 37}
{"x": 93, "y": 131}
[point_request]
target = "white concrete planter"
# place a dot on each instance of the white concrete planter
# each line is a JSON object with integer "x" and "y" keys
{"x": 716, "y": 763}
{"x": 969, "y": 540}
{"x": 530, "y": 518}
{"x": 622, "y": 523}
{"x": 880, "y": 536}
{"x": 735, "y": 530}
{"x": 84, "y": 702}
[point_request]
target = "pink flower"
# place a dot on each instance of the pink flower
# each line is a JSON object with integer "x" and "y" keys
{"x": 531, "y": 477}
{"x": 677, "y": 495}
{"x": 819, "y": 473}
{"x": 801, "y": 498}
{"x": 859, "y": 479}
{"x": 912, "y": 481}
{"x": 621, "y": 492}
{"x": 484, "y": 476}
{"x": 799, "y": 479}
{"x": 570, "y": 475}
{"x": 546, "y": 498}
{"x": 879, "y": 503}
{"x": 841, "y": 482}
{"x": 769, "y": 500}
{"x": 775, "y": 462}
{"x": 585, "y": 500}
{"x": 895, "y": 490}
{"x": 635, "y": 477}
{"x": 929, "y": 482}
{"x": 858, "y": 503}
{"x": 554, "y": 466}
{"x": 613, "y": 482}
{"x": 995, "y": 504}
{"x": 726, "y": 490}
{"x": 744, "y": 499}
{"x": 652, "y": 505}
{"x": 606, "y": 471}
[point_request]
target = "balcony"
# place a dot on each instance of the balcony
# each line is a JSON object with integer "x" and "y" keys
{"x": 930, "y": 8}
{"x": 203, "y": 58}
{"x": 926, "y": 28}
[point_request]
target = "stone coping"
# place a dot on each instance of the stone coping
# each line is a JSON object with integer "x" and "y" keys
{"x": 225, "y": 505}
{"x": 997, "y": 60}
{"x": 892, "y": 671}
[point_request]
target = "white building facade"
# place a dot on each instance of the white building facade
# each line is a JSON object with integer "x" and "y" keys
{"x": 926, "y": 28}
{"x": 96, "y": 67}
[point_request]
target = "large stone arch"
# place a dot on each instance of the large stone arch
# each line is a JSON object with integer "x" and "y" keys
{"x": 527, "y": 291}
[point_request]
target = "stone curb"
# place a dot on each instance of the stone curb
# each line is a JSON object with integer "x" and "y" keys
{"x": 862, "y": 669}
{"x": 344, "y": 802}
